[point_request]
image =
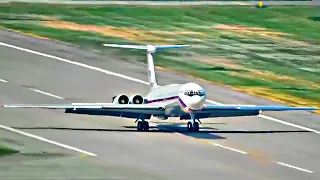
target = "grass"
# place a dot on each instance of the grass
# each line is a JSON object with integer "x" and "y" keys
{"x": 272, "y": 52}
{"x": 6, "y": 151}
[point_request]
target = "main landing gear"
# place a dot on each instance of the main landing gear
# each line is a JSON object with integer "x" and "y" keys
{"x": 142, "y": 125}
{"x": 192, "y": 125}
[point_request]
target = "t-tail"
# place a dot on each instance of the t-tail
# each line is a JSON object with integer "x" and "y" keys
{"x": 152, "y": 77}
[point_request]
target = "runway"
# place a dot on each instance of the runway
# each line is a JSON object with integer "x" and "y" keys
{"x": 227, "y": 148}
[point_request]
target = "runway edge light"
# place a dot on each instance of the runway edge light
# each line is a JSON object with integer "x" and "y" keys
{"x": 260, "y": 5}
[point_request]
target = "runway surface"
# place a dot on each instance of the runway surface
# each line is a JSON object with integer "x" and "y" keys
{"x": 226, "y": 148}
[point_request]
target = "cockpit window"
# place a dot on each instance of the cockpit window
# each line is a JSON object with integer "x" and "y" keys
{"x": 192, "y": 92}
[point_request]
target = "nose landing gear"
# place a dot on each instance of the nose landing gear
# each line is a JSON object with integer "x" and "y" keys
{"x": 192, "y": 125}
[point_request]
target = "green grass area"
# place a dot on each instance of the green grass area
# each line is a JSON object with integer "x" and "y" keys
{"x": 272, "y": 52}
{"x": 6, "y": 151}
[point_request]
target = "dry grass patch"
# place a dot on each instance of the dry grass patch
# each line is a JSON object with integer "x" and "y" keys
{"x": 249, "y": 30}
{"x": 252, "y": 73}
{"x": 130, "y": 33}
{"x": 25, "y": 33}
{"x": 121, "y": 32}
{"x": 278, "y": 97}
{"x": 278, "y": 37}
{"x": 224, "y": 62}
{"x": 267, "y": 75}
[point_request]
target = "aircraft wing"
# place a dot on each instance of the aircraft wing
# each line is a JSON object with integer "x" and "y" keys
{"x": 212, "y": 111}
{"x": 106, "y": 109}
{"x": 209, "y": 107}
{"x": 53, "y": 106}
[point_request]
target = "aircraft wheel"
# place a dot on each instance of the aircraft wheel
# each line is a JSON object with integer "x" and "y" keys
{"x": 145, "y": 125}
{"x": 189, "y": 126}
{"x": 139, "y": 126}
{"x": 196, "y": 127}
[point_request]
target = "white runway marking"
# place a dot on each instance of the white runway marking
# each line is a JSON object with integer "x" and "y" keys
{"x": 74, "y": 63}
{"x": 48, "y": 94}
{"x": 232, "y": 149}
{"x": 214, "y": 102}
{"x": 46, "y": 140}
{"x": 130, "y": 78}
{"x": 294, "y": 167}
{"x": 287, "y": 123}
{"x": 2, "y": 80}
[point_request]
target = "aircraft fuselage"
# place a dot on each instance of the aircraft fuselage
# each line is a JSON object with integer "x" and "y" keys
{"x": 179, "y": 99}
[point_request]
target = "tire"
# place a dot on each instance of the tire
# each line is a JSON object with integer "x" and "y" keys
{"x": 145, "y": 126}
{"x": 139, "y": 126}
{"x": 189, "y": 126}
{"x": 196, "y": 127}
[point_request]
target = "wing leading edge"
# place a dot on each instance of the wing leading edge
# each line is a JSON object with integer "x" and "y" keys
{"x": 105, "y": 109}
{"x": 255, "y": 107}
{"x": 214, "y": 111}
{"x": 147, "y": 110}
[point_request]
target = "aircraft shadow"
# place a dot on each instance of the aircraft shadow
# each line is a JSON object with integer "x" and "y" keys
{"x": 204, "y": 133}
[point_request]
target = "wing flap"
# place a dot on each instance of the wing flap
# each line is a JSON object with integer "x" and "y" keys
{"x": 106, "y": 109}
{"x": 249, "y": 109}
{"x": 276, "y": 108}
{"x": 52, "y": 106}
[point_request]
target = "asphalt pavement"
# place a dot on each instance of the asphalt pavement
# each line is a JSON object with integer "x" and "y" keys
{"x": 226, "y": 148}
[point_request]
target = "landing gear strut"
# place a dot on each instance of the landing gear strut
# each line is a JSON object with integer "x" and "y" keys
{"x": 193, "y": 125}
{"x": 142, "y": 125}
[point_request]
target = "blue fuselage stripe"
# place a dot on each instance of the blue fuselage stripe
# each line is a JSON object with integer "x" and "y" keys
{"x": 168, "y": 99}
{"x": 162, "y": 99}
{"x": 182, "y": 103}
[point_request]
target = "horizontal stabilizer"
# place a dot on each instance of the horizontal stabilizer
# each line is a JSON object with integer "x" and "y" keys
{"x": 146, "y": 47}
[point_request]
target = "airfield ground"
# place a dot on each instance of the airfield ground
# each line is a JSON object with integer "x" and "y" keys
{"x": 271, "y": 52}
{"x": 272, "y": 146}
{"x": 226, "y": 148}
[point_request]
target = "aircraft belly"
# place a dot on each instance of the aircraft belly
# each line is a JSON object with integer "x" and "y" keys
{"x": 102, "y": 112}
{"x": 173, "y": 109}
{"x": 234, "y": 113}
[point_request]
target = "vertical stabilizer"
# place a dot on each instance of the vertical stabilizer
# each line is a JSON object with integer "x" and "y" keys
{"x": 152, "y": 77}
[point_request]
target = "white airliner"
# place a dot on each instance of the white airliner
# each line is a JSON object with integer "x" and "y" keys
{"x": 186, "y": 101}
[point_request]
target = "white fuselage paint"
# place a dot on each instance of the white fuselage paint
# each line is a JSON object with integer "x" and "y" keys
{"x": 178, "y": 98}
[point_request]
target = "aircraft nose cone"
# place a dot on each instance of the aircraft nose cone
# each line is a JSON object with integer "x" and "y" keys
{"x": 195, "y": 99}
{"x": 196, "y": 102}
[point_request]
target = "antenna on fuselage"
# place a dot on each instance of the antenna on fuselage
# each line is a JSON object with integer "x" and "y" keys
{"x": 152, "y": 77}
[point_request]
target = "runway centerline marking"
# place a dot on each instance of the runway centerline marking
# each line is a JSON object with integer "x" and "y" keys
{"x": 137, "y": 80}
{"x": 47, "y": 140}
{"x": 46, "y": 93}
{"x": 2, "y": 80}
{"x": 294, "y": 167}
{"x": 225, "y": 147}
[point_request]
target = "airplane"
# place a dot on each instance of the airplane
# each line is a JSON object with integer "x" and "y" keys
{"x": 186, "y": 101}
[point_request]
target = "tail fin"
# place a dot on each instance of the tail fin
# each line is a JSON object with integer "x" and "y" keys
{"x": 152, "y": 77}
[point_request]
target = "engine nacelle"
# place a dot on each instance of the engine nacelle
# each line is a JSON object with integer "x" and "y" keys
{"x": 136, "y": 99}
{"x": 120, "y": 99}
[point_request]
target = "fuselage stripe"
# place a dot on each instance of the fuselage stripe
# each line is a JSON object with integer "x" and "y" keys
{"x": 182, "y": 103}
{"x": 162, "y": 99}
{"x": 167, "y": 99}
